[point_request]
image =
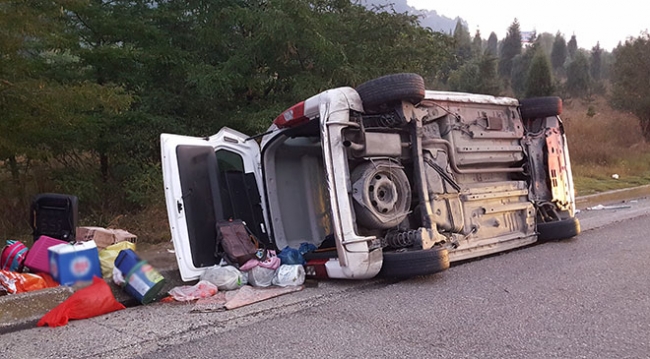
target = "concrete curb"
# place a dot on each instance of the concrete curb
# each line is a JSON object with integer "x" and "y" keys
{"x": 618, "y": 195}
{"x": 23, "y": 311}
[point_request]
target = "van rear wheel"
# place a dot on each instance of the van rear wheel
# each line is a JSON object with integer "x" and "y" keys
{"x": 540, "y": 107}
{"x": 379, "y": 94}
{"x": 411, "y": 263}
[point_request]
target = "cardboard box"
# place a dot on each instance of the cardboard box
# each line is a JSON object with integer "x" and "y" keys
{"x": 70, "y": 263}
{"x": 104, "y": 237}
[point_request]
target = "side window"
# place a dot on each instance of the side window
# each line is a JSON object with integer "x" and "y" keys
{"x": 229, "y": 161}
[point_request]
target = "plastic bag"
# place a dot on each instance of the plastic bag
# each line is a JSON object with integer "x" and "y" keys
{"x": 107, "y": 256}
{"x": 290, "y": 255}
{"x": 118, "y": 278}
{"x": 94, "y": 300}
{"x": 289, "y": 274}
{"x": 306, "y": 248}
{"x": 271, "y": 261}
{"x": 225, "y": 278}
{"x": 202, "y": 289}
{"x": 260, "y": 276}
{"x": 15, "y": 282}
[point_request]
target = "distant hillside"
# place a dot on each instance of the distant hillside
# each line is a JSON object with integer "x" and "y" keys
{"x": 428, "y": 18}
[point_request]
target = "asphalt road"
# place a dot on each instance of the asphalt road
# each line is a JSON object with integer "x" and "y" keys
{"x": 583, "y": 298}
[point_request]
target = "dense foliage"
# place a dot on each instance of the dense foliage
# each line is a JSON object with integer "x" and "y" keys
{"x": 87, "y": 86}
{"x": 630, "y": 79}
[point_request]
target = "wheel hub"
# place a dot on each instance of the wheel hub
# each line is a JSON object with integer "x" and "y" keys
{"x": 382, "y": 193}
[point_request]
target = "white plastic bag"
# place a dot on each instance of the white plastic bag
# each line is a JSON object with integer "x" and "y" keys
{"x": 260, "y": 276}
{"x": 289, "y": 274}
{"x": 202, "y": 289}
{"x": 225, "y": 278}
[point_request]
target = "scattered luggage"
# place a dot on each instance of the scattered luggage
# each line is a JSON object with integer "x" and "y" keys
{"x": 13, "y": 256}
{"x": 235, "y": 242}
{"x": 94, "y": 300}
{"x": 54, "y": 215}
{"x": 71, "y": 263}
{"x": 37, "y": 259}
{"x": 141, "y": 280}
{"x": 104, "y": 237}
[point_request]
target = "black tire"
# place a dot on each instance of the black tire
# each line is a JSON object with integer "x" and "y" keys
{"x": 562, "y": 229}
{"x": 414, "y": 263}
{"x": 385, "y": 192}
{"x": 540, "y": 107}
{"x": 379, "y": 94}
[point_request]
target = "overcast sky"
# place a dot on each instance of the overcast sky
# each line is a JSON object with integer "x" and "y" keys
{"x": 607, "y": 22}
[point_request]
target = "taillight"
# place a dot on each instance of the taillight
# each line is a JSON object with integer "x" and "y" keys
{"x": 295, "y": 115}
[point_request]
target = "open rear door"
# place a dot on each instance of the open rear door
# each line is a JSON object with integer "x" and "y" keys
{"x": 207, "y": 180}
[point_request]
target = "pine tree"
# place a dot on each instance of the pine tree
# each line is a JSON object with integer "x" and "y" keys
{"x": 477, "y": 44}
{"x": 511, "y": 48}
{"x": 488, "y": 77}
{"x": 540, "y": 79}
{"x": 630, "y": 76}
{"x": 478, "y": 75}
{"x": 559, "y": 52}
{"x": 578, "y": 80}
{"x": 595, "y": 62}
{"x": 521, "y": 67}
{"x": 572, "y": 47}
{"x": 463, "y": 42}
{"x": 492, "y": 44}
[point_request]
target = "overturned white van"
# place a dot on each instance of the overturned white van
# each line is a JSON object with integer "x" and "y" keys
{"x": 387, "y": 178}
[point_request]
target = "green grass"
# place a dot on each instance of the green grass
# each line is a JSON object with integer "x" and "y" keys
{"x": 595, "y": 184}
{"x": 607, "y": 142}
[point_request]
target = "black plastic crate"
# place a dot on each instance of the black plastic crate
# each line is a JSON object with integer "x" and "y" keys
{"x": 54, "y": 215}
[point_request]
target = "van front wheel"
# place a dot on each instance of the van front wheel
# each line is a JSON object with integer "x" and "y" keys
{"x": 411, "y": 263}
{"x": 562, "y": 229}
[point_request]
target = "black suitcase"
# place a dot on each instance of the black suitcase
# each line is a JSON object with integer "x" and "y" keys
{"x": 54, "y": 215}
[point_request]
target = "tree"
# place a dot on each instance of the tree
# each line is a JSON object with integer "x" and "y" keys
{"x": 477, "y": 44}
{"x": 511, "y": 47}
{"x": 478, "y": 75}
{"x": 559, "y": 52}
{"x": 492, "y": 43}
{"x": 488, "y": 77}
{"x": 630, "y": 76}
{"x": 463, "y": 42}
{"x": 540, "y": 79}
{"x": 546, "y": 41}
{"x": 578, "y": 80}
{"x": 45, "y": 102}
{"x": 595, "y": 62}
{"x": 572, "y": 47}
{"x": 521, "y": 67}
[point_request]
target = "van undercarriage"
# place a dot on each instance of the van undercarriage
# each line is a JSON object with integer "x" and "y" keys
{"x": 392, "y": 179}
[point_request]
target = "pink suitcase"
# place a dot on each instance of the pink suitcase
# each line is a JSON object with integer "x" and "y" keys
{"x": 37, "y": 259}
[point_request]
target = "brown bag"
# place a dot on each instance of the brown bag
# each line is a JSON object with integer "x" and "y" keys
{"x": 236, "y": 242}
